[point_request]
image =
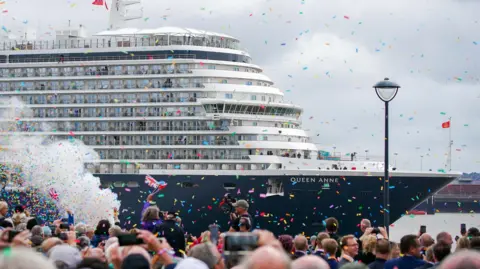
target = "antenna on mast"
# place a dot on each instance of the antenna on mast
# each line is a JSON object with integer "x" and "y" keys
{"x": 121, "y": 12}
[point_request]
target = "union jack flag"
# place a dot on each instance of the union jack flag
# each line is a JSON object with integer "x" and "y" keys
{"x": 53, "y": 194}
{"x": 151, "y": 182}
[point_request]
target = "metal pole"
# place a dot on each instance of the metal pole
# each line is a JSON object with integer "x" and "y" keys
{"x": 386, "y": 181}
{"x": 421, "y": 163}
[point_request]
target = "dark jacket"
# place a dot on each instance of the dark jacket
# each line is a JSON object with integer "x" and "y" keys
{"x": 332, "y": 262}
{"x": 366, "y": 258}
{"x": 298, "y": 254}
{"x": 405, "y": 262}
{"x": 174, "y": 235}
{"x": 377, "y": 264}
{"x": 342, "y": 262}
{"x": 425, "y": 266}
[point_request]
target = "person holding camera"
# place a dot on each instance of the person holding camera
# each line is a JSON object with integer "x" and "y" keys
{"x": 241, "y": 220}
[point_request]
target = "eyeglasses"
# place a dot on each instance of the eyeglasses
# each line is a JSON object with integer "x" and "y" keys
{"x": 352, "y": 245}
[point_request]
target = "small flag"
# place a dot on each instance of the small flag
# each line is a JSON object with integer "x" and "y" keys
{"x": 53, "y": 194}
{"x": 98, "y": 3}
{"x": 446, "y": 124}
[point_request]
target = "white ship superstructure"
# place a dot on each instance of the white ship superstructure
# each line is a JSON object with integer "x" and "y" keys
{"x": 158, "y": 99}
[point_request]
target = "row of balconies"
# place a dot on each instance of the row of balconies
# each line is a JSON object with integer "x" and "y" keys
{"x": 113, "y": 115}
{"x": 98, "y": 73}
{"x": 112, "y": 87}
{"x": 162, "y": 143}
{"x": 111, "y": 101}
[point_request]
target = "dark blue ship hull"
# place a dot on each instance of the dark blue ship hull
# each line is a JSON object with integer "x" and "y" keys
{"x": 306, "y": 203}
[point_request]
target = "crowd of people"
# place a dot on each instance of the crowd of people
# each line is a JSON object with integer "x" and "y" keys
{"x": 161, "y": 242}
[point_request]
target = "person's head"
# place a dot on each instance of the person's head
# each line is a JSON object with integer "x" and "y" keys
{"x": 310, "y": 262}
{"x": 382, "y": 249}
{"x": 463, "y": 243}
{"x": 24, "y": 258}
{"x": 114, "y": 231}
{"x": 287, "y": 242}
{"x": 102, "y": 227}
{"x": 473, "y": 232}
{"x": 19, "y": 209}
{"x": 354, "y": 265}
{"x": 6, "y": 223}
{"x": 465, "y": 259}
{"x": 475, "y": 243}
{"x": 31, "y": 223}
{"x": 301, "y": 243}
{"x": 426, "y": 240}
{"x": 65, "y": 255}
{"x": 37, "y": 231}
{"x": 207, "y": 253}
{"x": 81, "y": 228}
{"x": 441, "y": 251}
{"x": 49, "y": 243}
{"x": 83, "y": 242}
{"x": 241, "y": 206}
{"x": 369, "y": 243}
{"x": 245, "y": 225}
{"x": 151, "y": 213}
{"x": 429, "y": 254}
{"x": 394, "y": 250}
{"x": 320, "y": 237}
{"x": 135, "y": 261}
{"x": 313, "y": 240}
{"x": 330, "y": 247}
{"x": 409, "y": 245}
{"x": 90, "y": 232}
{"x": 349, "y": 245}
{"x": 444, "y": 238}
{"x": 267, "y": 257}
{"x": 331, "y": 225}
{"x": 93, "y": 263}
{"x": 21, "y": 227}
{"x": 47, "y": 232}
{"x": 364, "y": 224}
{"x": 3, "y": 208}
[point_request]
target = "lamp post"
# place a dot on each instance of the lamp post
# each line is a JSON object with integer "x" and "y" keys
{"x": 421, "y": 163}
{"x": 395, "y": 160}
{"x": 386, "y": 90}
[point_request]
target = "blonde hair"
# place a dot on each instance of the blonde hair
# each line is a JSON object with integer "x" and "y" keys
{"x": 369, "y": 243}
{"x": 3, "y": 205}
{"x": 462, "y": 243}
{"x": 330, "y": 246}
{"x": 151, "y": 213}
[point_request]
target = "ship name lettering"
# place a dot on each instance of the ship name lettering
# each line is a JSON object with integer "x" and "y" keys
{"x": 314, "y": 180}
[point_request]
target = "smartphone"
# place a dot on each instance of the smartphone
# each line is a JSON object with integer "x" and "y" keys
{"x": 63, "y": 236}
{"x": 64, "y": 226}
{"x": 213, "y": 233}
{"x": 423, "y": 229}
{"x": 129, "y": 240}
{"x": 240, "y": 242}
{"x": 11, "y": 235}
{"x": 463, "y": 228}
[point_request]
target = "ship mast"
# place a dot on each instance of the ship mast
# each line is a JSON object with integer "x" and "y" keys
{"x": 450, "y": 143}
{"x": 121, "y": 12}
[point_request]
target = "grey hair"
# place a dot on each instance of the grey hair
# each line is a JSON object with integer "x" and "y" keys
{"x": 3, "y": 205}
{"x": 463, "y": 259}
{"x": 24, "y": 258}
{"x": 270, "y": 252}
{"x": 83, "y": 242}
{"x": 81, "y": 228}
{"x": 37, "y": 230}
{"x": 310, "y": 262}
{"x": 21, "y": 227}
{"x": 151, "y": 213}
{"x": 115, "y": 230}
{"x": 355, "y": 265}
{"x": 204, "y": 252}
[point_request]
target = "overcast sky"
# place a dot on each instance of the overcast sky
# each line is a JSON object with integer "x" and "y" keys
{"x": 334, "y": 52}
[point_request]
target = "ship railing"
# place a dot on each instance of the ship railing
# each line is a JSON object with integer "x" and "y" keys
{"x": 149, "y": 85}
{"x": 99, "y": 58}
{"x": 112, "y": 42}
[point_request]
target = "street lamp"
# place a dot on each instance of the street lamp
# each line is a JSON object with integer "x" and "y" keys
{"x": 386, "y": 90}
{"x": 395, "y": 160}
{"x": 421, "y": 163}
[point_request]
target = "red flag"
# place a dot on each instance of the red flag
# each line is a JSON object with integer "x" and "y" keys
{"x": 98, "y": 3}
{"x": 446, "y": 124}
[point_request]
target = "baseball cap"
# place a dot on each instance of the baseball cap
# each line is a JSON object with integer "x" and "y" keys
{"x": 242, "y": 204}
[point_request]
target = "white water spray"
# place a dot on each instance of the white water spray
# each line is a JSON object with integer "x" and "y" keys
{"x": 55, "y": 165}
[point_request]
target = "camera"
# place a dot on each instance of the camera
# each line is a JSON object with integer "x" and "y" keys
{"x": 238, "y": 245}
{"x": 227, "y": 203}
{"x": 376, "y": 230}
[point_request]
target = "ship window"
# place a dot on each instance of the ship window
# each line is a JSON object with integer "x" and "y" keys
{"x": 249, "y": 83}
{"x": 228, "y": 96}
{"x": 211, "y": 67}
{"x": 229, "y": 186}
{"x": 253, "y": 97}
{"x": 275, "y": 187}
{"x": 132, "y": 184}
{"x": 118, "y": 184}
{"x": 186, "y": 185}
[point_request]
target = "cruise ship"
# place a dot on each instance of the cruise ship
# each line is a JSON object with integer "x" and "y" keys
{"x": 189, "y": 107}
